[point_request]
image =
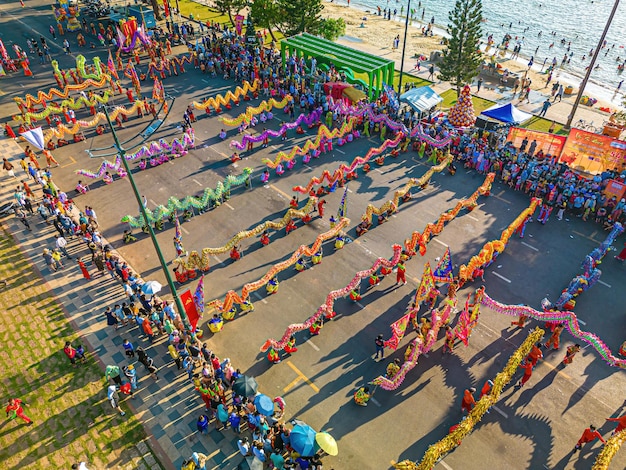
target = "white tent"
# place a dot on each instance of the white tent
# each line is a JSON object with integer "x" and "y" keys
{"x": 421, "y": 99}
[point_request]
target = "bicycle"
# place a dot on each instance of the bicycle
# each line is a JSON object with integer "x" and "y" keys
{"x": 586, "y": 126}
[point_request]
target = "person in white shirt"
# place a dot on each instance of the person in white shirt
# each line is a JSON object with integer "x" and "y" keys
{"x": 244, "y": 446}
{"x": 61, "y": 244}
{"x": 80, "y": 466}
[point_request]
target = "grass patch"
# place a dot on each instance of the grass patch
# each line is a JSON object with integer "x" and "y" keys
{"x": 73, "y": 420}
{"x": 480, "y": 104}
{"x": 537, "y": 123}
{"x": 407, "y": 78}
{"x": 202, "y": 12}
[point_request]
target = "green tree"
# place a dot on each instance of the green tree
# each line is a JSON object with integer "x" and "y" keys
{"x": 230, "y": 7}
{"x": 266, "y": 14}
{"x": 332, "y": 28}
{"x": 462, "y": 57}
{"x": 299, "y": 16}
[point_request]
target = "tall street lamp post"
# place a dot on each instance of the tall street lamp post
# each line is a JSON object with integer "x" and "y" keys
{"x": 406, "y": 31}
{"x": 142, "y": 210}
{"x": 583, "y": 84}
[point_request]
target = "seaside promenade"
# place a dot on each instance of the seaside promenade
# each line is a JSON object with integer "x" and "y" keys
{"x": 491, "y": 91}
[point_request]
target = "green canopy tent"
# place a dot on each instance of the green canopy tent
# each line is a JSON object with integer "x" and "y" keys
{"x": 344, "y": 58}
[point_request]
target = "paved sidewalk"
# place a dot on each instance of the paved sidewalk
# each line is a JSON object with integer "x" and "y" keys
{"x": 558, "y": 112}
{"x": 167, "y": 408}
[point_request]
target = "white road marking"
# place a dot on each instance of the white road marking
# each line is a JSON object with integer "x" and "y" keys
{"x": 229, "y": 206}
{"x": 307, "y": 166}
{"x": 501, "y": 277}
{"x": 440, "y": 242}
{"x": 378, "y": 170}
{"x": 258, "y": 296}
{"x": 472, "y": 217}
{"x": 445, "y": 465}
{"x": 359, "y": 304}
{"x": 377, "y": 403}
{"x": 529, "y": 246}
{"x": 341, "y": 151}
{"x": 500, "y": 411}
{"x": 197, "y": 182}
{"x": 310, "y": 343}
{"x": 582, "y": 322}
{"x": 184, "y": 230}
{"x": 604, "y": 284}
{"x": 349, "y": 190}
{"x": 219, "y": 261}
{"x": 205, "y": 81}
{"x": 152, "y": 201}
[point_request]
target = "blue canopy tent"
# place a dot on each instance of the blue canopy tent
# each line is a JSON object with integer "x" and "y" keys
{"x": 421, "y": 99}
{"x": 506, "y": 113}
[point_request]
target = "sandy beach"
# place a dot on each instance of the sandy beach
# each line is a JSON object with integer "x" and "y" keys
{"x": 377, "y": 35}
{"x": 380, "y": 32}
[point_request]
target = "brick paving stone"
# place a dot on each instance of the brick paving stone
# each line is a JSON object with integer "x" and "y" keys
{"x": 149, "y": 458}
{"x": 162, "y": 404}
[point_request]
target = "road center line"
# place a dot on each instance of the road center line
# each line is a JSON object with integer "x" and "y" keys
{"x": 184, "y": 230}
{"x": 440, "y": 242}
{"x": 604, "y": 284}
{"x": 359, "y": 304}
{"x": 445, "y": 465}
{"x": 310, "y": 343}
{"x": 529, "y": 246}
{"x": 152, "y": 201}
{"x": 229, "y": 206}
{"x": 472, "y": 217}
{"x": 501, "y": 277}
{"x": 582, "y": 322}
{"x": 258, "y": 296}
{"x": 500, "y": 411}
{"x": 197, "y": 182}
{"x": 341, "y": 151}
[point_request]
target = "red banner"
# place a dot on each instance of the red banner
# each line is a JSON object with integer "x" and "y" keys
{"x": 551, "y": 144}
{"x": 190, "y": 308}
{"x": 593, "y": 153}
{"x": 166, "y": 7}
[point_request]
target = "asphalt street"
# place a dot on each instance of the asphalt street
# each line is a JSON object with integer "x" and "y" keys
{"x": 532, "y": 428}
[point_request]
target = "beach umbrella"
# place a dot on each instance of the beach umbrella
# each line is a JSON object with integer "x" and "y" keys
{"x": 327, "y": 443}
{"x": 151, "y": 287}
{"x": 302, "y": 440}
{"x": 245, "y": 386}
{"x": 264, "y": 404}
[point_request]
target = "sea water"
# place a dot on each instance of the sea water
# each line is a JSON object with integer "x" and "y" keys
{"x": 578, "y": 21}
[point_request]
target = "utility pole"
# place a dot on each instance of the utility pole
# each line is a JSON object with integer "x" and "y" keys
{"x": 142, "y": 210}
{"x": 583, "y": 84}
{"x": 406, "y": 31}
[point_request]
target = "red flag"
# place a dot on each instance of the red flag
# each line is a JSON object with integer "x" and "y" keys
{"x": 190, "y": 308}
{"x": 398, "y": 328}
{"x": 111, "y": 66}
{"x": 166, "y": 7}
